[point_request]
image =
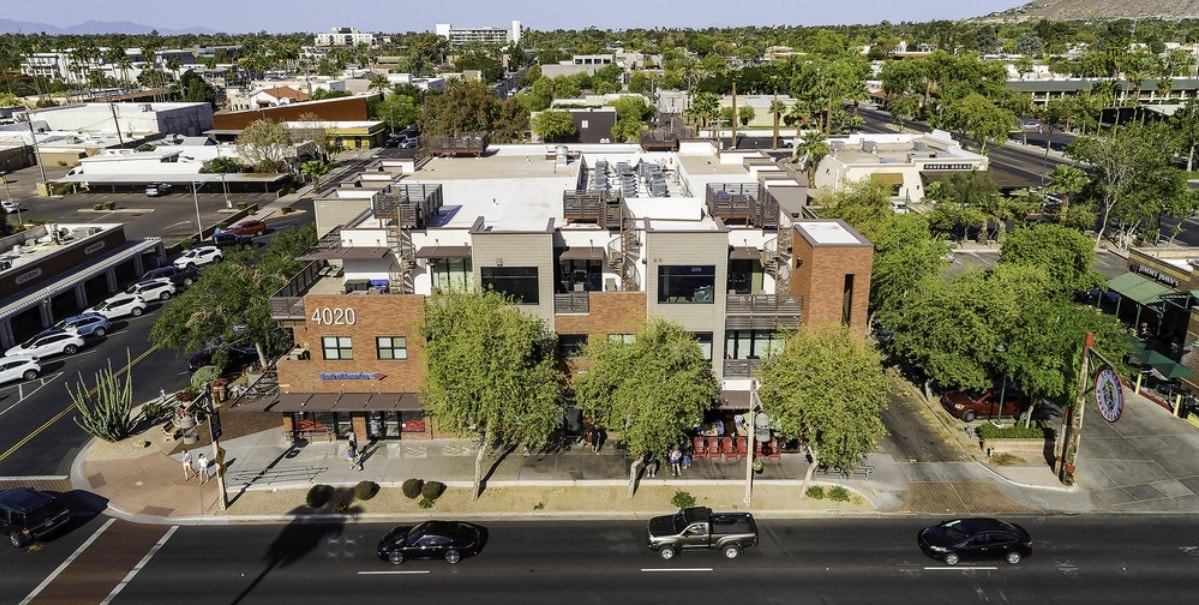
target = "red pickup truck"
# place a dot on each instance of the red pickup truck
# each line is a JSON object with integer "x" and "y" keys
{"x": 969, "y": 406}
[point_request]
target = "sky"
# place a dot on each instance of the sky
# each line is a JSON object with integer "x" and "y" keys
{"x": 420, "y": 15}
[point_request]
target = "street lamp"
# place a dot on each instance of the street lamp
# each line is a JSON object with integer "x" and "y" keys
{"x": 1000, "y": 348}
{"x": 225, "y": 186}
{"x": 757, "y": 419}
{"x": 199, "y": 225}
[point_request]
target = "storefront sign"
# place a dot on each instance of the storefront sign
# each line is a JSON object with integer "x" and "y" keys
{"x": 96, "y": 247}
{"x": 947, "y": 167}
{"x": 28, "y": 277}
{"x": 1109, "y": 394}
{"x": 352, "y": 376}
{"x": 1164, "y": 278}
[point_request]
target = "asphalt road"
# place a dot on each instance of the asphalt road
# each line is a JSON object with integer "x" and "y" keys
{"x": 1075, "y": 560}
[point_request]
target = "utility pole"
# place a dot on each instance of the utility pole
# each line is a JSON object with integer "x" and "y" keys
{"x": 733, "y": 138}
{"x": 113, "y": 107}
{"x": 37, "y": 154}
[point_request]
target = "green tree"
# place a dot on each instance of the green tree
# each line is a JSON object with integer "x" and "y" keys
{"x": 553, "y": 125}
{"x": 490, "y": 372}
{"x": 1066, "y": 180}
{"x": 264, "y": 144}
{"x": 777, "y": 109}
{"x": 233, "y": 293}
{"x": 399, "y": 111}
{"x": 510, "y": 123}
{"x": 1185, "y": 125}
{"x": 978, "y": 117}
{"x": 314, "y": 170}
{"x": 224, "y": 165}
{"x": 464, "y": 107}
{"x": 653, "y": 389}
{"x": 903, "y": 108}
{"x": 812, "y": 147}
{"x": 840, "y": 425}
{"x": 1064, "y": 253}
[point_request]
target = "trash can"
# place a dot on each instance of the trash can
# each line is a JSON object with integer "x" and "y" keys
{"x": 187, "y": 426}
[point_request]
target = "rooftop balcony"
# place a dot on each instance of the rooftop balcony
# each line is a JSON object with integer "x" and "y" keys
{"x": 743, "y": 203}
{"x": 761, "y": 312}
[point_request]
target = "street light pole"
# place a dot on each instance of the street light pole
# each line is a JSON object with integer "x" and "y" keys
{"x": 751, "y": 441}
{"x": 225, "y": 186}
{"x": 199, "y": 225}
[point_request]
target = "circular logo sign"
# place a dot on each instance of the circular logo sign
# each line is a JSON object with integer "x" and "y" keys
{"x": 1109, "y": 394}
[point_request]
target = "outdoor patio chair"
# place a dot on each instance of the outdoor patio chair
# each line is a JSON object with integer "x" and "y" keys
{"x": 713, "y": 449}
{"x": 742, "y": 447}
{"x": 697, "y": 445}
{"x": 726, "y": 449}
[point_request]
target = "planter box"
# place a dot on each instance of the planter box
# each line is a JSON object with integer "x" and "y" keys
{"x": 1028, "y": 449}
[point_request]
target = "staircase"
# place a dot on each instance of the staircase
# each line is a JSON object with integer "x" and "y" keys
{"x": 400, "y": 242}
{"x": 778, "y": 263}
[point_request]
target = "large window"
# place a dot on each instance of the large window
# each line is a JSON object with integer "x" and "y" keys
{"x": 847, "y": 301}
{"x": 705, "y": 343}
{"x": 451, "y": 274}
{"x": 337, "y": 347}
{"x": 391, "y": 347}
{"x": 517, "y": 283}
{"x": 751, "y": 344}
{"x": 571, "y": 345}
{"x": 687, "y": 284}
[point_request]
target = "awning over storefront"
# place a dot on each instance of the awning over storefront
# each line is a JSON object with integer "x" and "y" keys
{"x": 583, "y": 253}
{"x": 1139, "y": 289}
{"x": 256, "y": 404}
{"x": 744, "y": 253}
{"x": 443, "y": 252}
{"x": 346, "y": 402}
{"x": 887, "y": 178}
{"x": 292, "y": 402}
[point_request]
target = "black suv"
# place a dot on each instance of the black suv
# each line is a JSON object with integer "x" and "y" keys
{"x": 180, "y": 277}
{"x": 27, "y": 515}
{"x": 225, "y": 239}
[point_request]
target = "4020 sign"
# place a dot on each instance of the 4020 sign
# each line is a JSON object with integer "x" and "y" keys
{"x": 334, "y": 316}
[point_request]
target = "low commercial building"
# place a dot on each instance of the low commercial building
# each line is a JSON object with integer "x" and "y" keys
{"x": 51, "y": 271}
{"x": 593, "y": 240}
{"x": 131, "y": 120}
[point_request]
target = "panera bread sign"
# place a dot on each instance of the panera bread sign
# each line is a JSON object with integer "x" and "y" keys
{"x": 25, "y": 278}
{"x": 1160, "y": 276}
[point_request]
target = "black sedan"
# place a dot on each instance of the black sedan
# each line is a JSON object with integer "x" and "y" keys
{"x": 978, "y": 538}
{"x": 449, "y": 540}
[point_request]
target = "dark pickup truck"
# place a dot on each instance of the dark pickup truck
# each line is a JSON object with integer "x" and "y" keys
{"x": 700, "y": 528}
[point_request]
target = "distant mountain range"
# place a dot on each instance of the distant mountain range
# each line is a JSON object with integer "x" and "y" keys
{"x": 9, "y": 26}
{"x": 1089, "y": 10}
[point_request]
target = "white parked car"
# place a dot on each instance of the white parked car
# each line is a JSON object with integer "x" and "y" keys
{"x": 47, "y": 344}
{"x": 120, "y": 305}
{"x": 12, "y": 205}
{"x": 18, "y": 368}
{"x": 153, "y": 289}
{"x": 200, "y": 255}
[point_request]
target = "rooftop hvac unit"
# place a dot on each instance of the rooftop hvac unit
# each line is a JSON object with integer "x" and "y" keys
{"x": 919, "y": 145}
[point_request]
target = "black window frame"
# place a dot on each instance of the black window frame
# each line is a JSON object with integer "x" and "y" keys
{"x": 380, "y": 348}
{"x": 509, "y": 282}
{"x": 687, "y": 284}
{"x": 338, "y": 347}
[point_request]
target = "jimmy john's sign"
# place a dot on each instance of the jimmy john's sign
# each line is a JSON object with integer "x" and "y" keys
{"x": 1160, "y": 276}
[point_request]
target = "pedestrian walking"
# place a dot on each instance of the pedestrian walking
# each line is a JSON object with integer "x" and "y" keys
{"x": 651, "y": 466}
{"x": 352, "y": 439}
{"x": 597, "y": 438}
{"x": 676, "y": 461}
{"x": 189, "y": 468}
{"x": 352, "y": 458}
{"x": 686, "y": 456}
{"x": 203, "y": 464}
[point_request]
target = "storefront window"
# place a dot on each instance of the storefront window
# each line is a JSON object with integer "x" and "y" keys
{"x": 451, "y": 274}
{"x": 751, "y": 344}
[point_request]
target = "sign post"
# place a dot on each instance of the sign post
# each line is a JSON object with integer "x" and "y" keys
{"x": 218, "y": 456}
{"x": 1109, "y": 398}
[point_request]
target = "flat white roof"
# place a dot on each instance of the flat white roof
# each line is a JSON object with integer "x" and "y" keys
{"x": 828, "y": 232}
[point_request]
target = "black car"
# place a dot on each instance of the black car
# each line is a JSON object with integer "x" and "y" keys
{"x": 449, "y": 540}
{"x": 977, "y": 538}
{"x": 180, "y": 277}
{"x": 225, "y": 239}
{"x": 27, "y": 515}
{"x": 237, "y": 356}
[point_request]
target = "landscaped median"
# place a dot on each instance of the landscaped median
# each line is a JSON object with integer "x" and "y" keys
{"x": 552, "y": 499}
{"x": 1016, "y": 444}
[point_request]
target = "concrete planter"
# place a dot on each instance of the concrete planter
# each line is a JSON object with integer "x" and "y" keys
{"x": 1029, "y": 449}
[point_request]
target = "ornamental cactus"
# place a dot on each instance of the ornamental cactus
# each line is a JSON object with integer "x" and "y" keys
{"x": 104, "y": 410}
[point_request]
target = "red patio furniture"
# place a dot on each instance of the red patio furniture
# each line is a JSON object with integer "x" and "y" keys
{"x": 742, "y": 447}
{"x": 713, "y": 449}
{"x": 697, "y": 445}
{"x": 773, "y": 449}
{"x": 726, "y": 449}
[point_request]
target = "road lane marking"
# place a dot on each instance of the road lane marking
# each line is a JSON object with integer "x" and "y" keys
{"x": 67, "y": 563}
{"x": 960, "y": 568}
{"x": 46, "y": 425}
{"x": 665, "y": 570}
{"x": 140, "y": 564}
{"x": 393, "y": 573}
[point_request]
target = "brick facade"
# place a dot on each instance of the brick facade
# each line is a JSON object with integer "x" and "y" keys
{"x": 374, "y": 315}
{"x": 610, "y": 313}
{"x": 819, "y": 277}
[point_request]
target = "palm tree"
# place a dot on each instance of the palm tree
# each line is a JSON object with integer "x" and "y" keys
{"x": 1066, "y": 180}
{"x": 812, "y": 147}
{"x": 777, "y": 109}
{"x": 378, "y": 83}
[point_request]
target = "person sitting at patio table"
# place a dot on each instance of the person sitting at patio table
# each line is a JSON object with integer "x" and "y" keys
{"x": 742, "y": 427}
{"x": 719, "y": 428}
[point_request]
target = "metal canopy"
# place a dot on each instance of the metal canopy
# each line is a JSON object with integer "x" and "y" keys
{"x": 583, "y": 253}
{"x": 744, "y": 253}
{"x": 443, "y": 252}
{"x": 1139, "y": 289}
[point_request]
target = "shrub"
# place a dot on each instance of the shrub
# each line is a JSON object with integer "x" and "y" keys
{"x": 425, "y": 503}
{"x": 432, "y": 490}
{"x": 341, "y": 507}
{"x": 683, "y": 500}
{"x": 188, "y": 243}
{"x": 154, "y": 410}
{"x": 317, "y": 496}
{"x": 187, "y": 395}
{"x": 990, "y": 431}
{"x": 412, "y": 487}
{"x": 838, "y": 494}
{"x": 203, "y": 376}
{"x": 239, "y": 205}
{"x": 815, "y": 492}
{"x": 97, "y": 206}
{"x": 539, "y": 506}
{"x": 365, "y": 490}
{"x": 288, "y": 210}
{"x": 110, "y": 205}
{"x": 223, "y": 224}
{"x": 62, "y": 189}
